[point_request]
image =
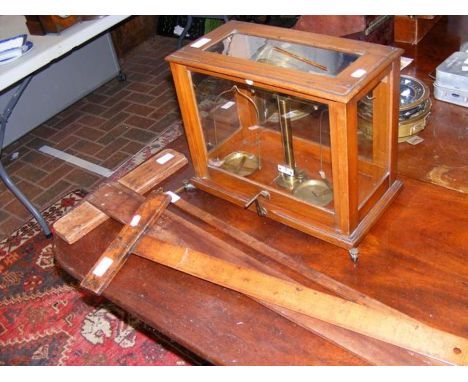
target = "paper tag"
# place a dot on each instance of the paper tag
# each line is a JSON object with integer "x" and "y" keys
{"x": 165, "y": 158}
{"x": 174, "y": 197}
{"x": 200, "y": 43}
{"x": 135, "y": 220}
{"x": 404, "y": 62}
{"x": 415, "y": 140}
{"x": 286, "y": 170}
{"x": 227, "y": 105}
{"x": 103, "y": 266}
{"x": 358, "y": 73}
{"x": 178, "y": 30}
{"x": 249, "y": 82}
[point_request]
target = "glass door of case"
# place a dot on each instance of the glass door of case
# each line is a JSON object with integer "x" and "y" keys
{"x": 272, "y": 139}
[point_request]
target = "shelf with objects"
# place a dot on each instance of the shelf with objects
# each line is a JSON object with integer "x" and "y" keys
{"x": 272, "y": 121}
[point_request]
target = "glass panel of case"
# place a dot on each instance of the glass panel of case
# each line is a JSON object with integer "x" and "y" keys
{"x": 284, "y": 54}
{"x": 372, "y": 142}
{"x": 267, "y": 137}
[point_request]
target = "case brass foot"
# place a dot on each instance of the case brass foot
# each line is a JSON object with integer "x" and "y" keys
{"x": 354, "y": 254}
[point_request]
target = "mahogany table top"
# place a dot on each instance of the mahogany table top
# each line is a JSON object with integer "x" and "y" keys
{"x": 413, "y": 259}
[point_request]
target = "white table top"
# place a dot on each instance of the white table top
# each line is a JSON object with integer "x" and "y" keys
{"x": 46, "y": 48}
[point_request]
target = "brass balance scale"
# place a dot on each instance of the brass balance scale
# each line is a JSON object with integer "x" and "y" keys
{"x": 317, "y": 191}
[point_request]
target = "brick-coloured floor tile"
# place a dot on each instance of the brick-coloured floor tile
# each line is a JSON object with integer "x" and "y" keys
{"x": 4, "y": 215}
{"x": 115, "y": 160}
{"x": 28, "y": 188}
{"x": 159, "y": 89}
{"x": 115, "y": 117}
{"x": 87, "y": 147}
{"x": 5, "y": 198}
{"x": 132, "y": 147}
{"x": 113, "y": 134}
{"x": 140, "y": 87}
{"x": 56, "y": 175}
{"x": 111, "y": 148}
{"x": 136, "y": 120}
{"x": 65, "y": 132}
{"x": 139, "y": 98}
{"x": 139, "y": 135}
{"x": 139, "y": 68}
{"x": 66, "y": 143}
{"x": 31, "y": 173}
{"x": 164, "y": 122}
{"x": 89, "y": 133}
{"x": 44, "y": 132}
{"x": 37, "y": 143}
{"x": 53, "y": 193}
{"x": 16, "y": 165}
{"x": 68, "y": 120}
{"x": 96, "y": 98}
{"x": 39, "y": 159}
{"x": 93, "y": 108}
{"x": 9, "y": 225}
{"x": 139, "y": 109}
{"x": 16, "y": 208}
{"x": 111, "y": 101}
{"x": 82, "y": 177}
{"x": 91, "y": 120}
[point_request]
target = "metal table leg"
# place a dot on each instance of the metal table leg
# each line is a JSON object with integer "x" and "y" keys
{"x": 3, "y": 175}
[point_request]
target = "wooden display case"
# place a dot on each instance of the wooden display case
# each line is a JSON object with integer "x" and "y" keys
{"x": 271, "y": 118}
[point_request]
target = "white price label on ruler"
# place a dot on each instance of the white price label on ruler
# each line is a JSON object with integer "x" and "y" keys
{"x": 286, "y": 170}
{"x": 165, "y": 158}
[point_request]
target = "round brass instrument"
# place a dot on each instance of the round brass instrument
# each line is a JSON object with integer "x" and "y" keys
{"x": 241, "y": 163}
{"x": 415, "y": 107}
{"x": 314, "y": 191}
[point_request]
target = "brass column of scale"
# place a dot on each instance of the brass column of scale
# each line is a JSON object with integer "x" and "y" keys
{"x": 289, "y": 176}
{"x": 315, "y": 191}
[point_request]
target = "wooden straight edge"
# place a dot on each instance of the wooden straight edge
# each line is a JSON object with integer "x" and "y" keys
{"x": 406, "y": 333}
{"x": 84, "y": 218}
{"x": 373, "y": 351}
{"x": 114, "y": 257}
{"x": 285, "y": 260}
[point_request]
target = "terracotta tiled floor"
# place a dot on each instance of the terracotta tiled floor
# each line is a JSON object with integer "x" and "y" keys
{"x": 106, "y": 127}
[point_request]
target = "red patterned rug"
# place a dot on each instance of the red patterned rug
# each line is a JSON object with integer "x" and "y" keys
{"x": 46, "y": 320}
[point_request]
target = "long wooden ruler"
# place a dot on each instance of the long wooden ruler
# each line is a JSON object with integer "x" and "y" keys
{"x": 84, "y": 218}
{"x": 403, "y": 332}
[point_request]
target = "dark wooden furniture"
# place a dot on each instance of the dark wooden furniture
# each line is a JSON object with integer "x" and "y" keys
{"x": 413, "y": 259}
{"x": 412, "y": 29}
{"x": 248, "y": 74}
{"x": 41, "y": 25}
{"x": 377, "y": 29}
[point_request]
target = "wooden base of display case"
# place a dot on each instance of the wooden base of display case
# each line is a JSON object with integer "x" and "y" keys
{"x": 325, "y": 230}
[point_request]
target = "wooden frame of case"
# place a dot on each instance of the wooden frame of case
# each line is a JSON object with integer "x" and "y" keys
{"x": 350, "y": 220}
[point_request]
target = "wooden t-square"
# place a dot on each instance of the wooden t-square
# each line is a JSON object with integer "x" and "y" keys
{"x": 114, "y": 257}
